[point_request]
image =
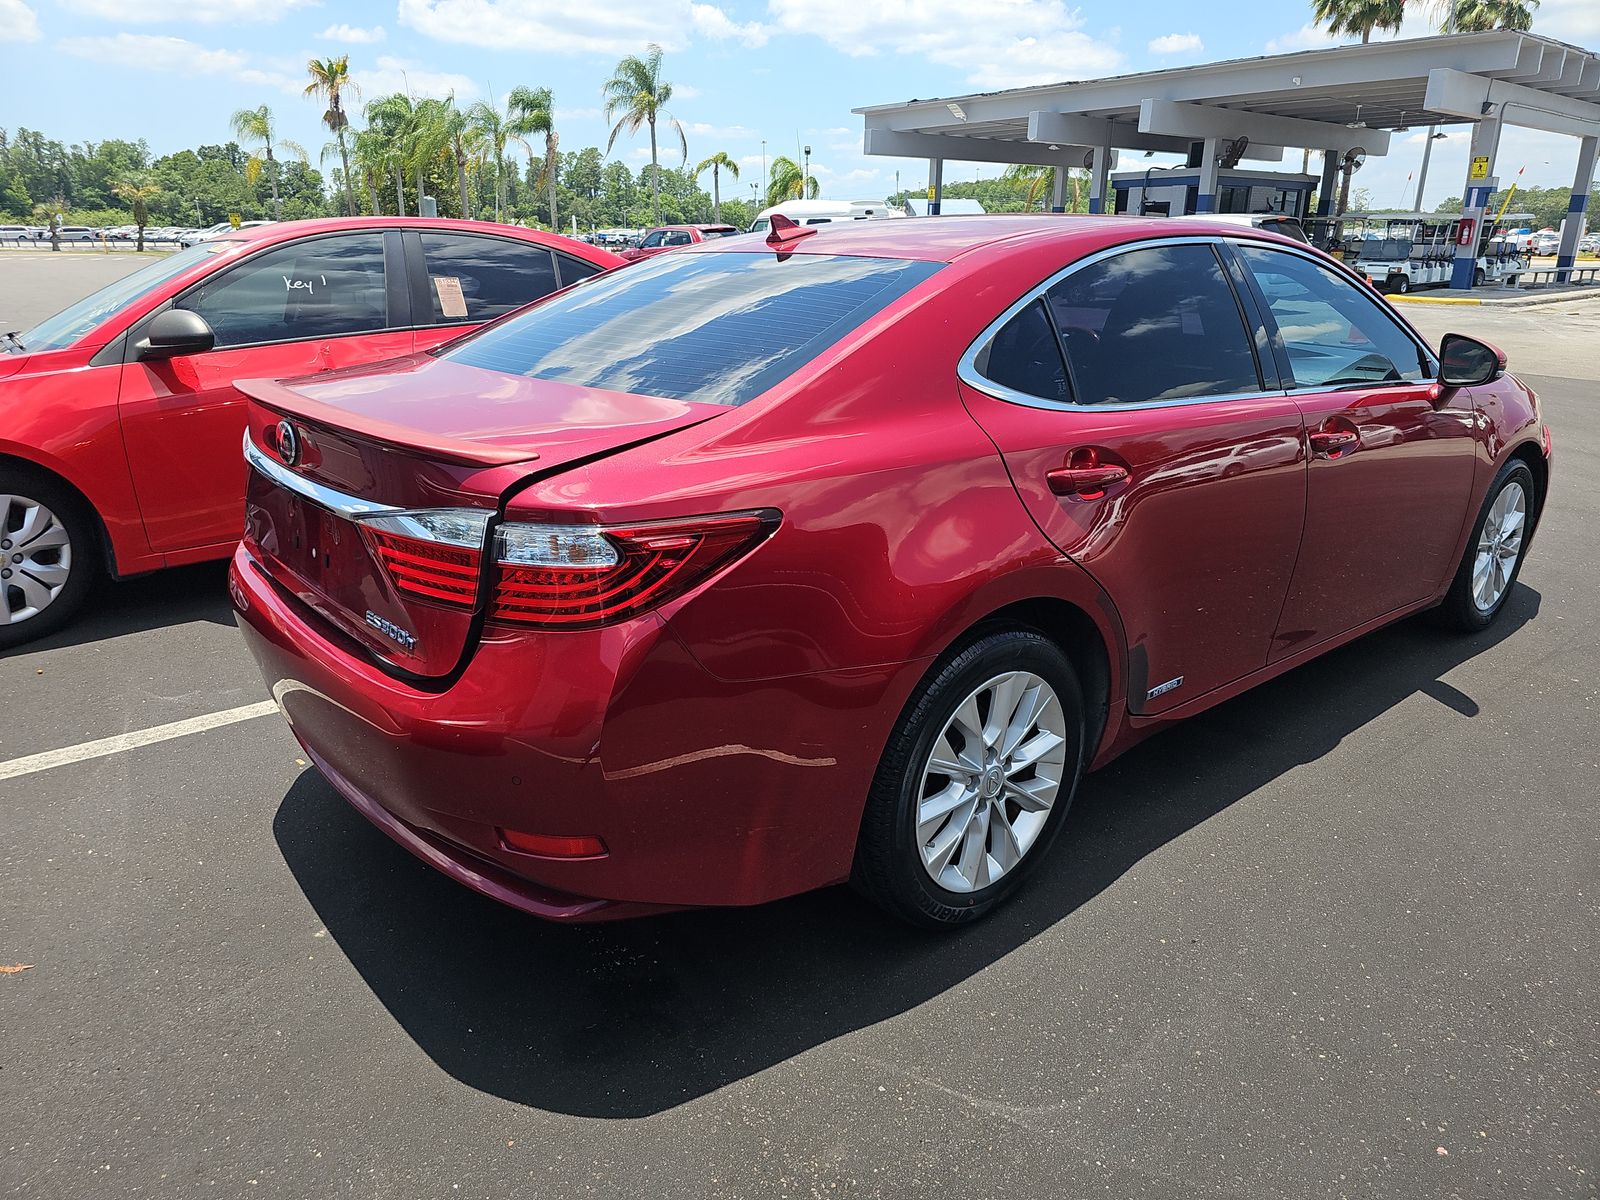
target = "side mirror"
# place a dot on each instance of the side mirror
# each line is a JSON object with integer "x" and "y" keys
{"x": 174, "y": 333}
{"x": 1467, "y": 362}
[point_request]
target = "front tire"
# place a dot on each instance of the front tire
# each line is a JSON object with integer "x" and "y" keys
{"x": 975, "y": 782}
{"x": 1494, "y": 553}
{"x": 47, "y": 555}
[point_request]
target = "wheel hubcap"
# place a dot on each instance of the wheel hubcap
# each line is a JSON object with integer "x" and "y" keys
{"x": 35, "y": 558}
{"x": 990, "y": 782}
{"x": 1499, "y": 545}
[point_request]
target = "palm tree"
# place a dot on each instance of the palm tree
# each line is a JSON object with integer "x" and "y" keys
{"x": 461, "y": 146}
{"x": 372, "y": 160}
{"x": 531, "y": 111}
{"x": 139, "y": 196}
{"x": 258, "y": 127}
{"x": 718, "y": 163}
{"x": 490, "y": 132}
{"x": 429, "y": 140}
{"x": 637, "y": 91}
{"x": 1358, "y": 16}
{"x": 1480, "y": 16}
{"x": 389, "y": 122}
{"x": 329, "y": 79}
{"x": 785, "y": 182}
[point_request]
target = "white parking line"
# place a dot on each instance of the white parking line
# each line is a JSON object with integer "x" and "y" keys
{"x": 29, "y": 764}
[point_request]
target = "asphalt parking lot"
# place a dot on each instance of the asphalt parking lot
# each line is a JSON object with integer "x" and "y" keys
{"x": 1335, "y": 938}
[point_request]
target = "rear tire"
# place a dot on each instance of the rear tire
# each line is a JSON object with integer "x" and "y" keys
{"x": 1493, "y": 557}
{"x": 49, "y": 555}
{"x": 967, "y": 799}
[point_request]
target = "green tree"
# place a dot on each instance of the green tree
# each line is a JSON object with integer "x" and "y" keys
{"x": 637, "y": 92}
{"x": 258, "y": 127}
{"x": 330, "y": 77}
{"x": 784, "y": 182}
{"x": 491, "y": 131}
{"x": 390, "y": 120}
{"x": 1480, "y": 16}
{"x": 530, "y": 113}
{"x": 138, "y": 194}
{"x": 717, "y": 163}
{"x": 1362, "y": 17}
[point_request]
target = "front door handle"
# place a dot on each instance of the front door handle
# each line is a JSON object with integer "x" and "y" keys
{"x": 1333, "y": 442}
{"x": 1087, "y": 482}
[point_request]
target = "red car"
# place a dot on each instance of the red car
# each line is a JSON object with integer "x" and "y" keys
{"x": 843, "y": 554}
{"x": 670, "y": 237}
{"x": 119, "y": 447}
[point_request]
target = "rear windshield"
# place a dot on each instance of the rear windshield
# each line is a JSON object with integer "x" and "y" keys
{"x": 713, "y": 328}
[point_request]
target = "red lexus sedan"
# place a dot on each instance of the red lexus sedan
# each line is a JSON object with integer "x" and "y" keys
{"x": 843, "y": 554}
{"x": 119, "y": 447}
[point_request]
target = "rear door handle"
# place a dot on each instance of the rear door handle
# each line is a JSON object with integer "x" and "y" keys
{"x": 1084, "y": 481}
{"x": 1332, "y": 441}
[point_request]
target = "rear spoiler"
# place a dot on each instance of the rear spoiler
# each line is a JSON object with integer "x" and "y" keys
{"x": 284, "y": 399}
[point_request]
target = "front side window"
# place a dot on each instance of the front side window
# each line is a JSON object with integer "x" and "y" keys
{"x": 1158, "y": 323}
{"x": 712, "y": 328}
{"x": 473, "y": 278}
{"x": 656, "y": 237}
{"x": 1334, "y": 333}
{"x": 321, "y": 287}
{"x": 72, "y": 323}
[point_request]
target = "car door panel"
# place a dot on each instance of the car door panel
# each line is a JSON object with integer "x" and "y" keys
{"x": 1391, "y": 454}
{"x": 1196, "y": 546}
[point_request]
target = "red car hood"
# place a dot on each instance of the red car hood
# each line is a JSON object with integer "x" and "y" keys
{"x": 470, "y": 415}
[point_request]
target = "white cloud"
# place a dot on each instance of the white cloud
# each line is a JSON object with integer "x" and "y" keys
{"x": 354, "y": 34}
{"x": 727, "y": 132}
{"x": 1001, "y": 43}
{"x": 1307, "y": 37}
{"x": 175, "y": 55}
{"x": 684, "y": 91}
{"x": 402, "y": 75}
{"x": 1570, "y": 20}
{"x": 716, "y": 24}
{"x": 1177, "y": 43}
{"x": 18, "y": 22}
{"x": 578, "y": 114}
{"x": 185, "y": 11}
{"x": 559, "y": 27}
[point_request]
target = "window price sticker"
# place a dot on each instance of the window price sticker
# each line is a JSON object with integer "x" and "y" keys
{"x": 451, "y": 302}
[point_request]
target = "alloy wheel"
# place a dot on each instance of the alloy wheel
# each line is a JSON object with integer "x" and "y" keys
{"x": 35, "y": 558}
{"x": 1499, "y": 545}
{"x": 990, "y": 781}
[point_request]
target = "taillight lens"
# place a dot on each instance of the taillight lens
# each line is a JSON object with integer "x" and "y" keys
{"x": 555, "y": 575}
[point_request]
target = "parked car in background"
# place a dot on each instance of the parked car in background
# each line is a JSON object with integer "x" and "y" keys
{"x": 15, "y": 233}
{"x": 119, "y": 448}
{"x": 75, "y": 233}
{"x": 841, "y": 554}
{"x": 669, "y": 237}
{"x": 195, "y": 236}
{"x": 1546, "y": 242}
{"x": 1589, "y": 244}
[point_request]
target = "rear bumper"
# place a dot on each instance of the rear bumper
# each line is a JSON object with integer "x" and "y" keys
{"x": 705, "y": 792}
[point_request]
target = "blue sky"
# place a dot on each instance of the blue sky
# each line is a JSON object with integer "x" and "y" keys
{"x": 787, "y": 71}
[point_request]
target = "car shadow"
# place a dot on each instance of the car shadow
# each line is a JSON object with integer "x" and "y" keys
{"x": 171, "y": 597}
{"x": 629, "y": 1019}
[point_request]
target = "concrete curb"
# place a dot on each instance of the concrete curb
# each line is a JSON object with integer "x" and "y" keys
{"x": 1579, "y": 297}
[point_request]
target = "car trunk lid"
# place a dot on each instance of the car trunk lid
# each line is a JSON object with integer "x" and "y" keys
{"x": 334, "y": 452}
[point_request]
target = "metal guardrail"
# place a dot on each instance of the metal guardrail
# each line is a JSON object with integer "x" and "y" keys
{"x": 1537, "y": 277}
{"x": 82, "y": 244}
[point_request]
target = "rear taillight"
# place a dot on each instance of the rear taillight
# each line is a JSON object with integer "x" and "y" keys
{"x": 554, "y": 575}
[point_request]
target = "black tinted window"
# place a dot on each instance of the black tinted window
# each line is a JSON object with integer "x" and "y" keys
{"x": 1334, "y": 332}
{"x": 574, "y": 269}
{"x": 716, "y": 328}
{"x": 322, "y": 287}
{"x": 479, "y": 278}
{"x": 1025, "y": 356}
{"x": 1153, "y": 324}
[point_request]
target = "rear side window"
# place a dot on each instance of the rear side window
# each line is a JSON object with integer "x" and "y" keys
{"x": 713, "y": 328}
{"x": 1334, "y": 332}
{"x": 1158, "y": 323}
{"x": 479, "y": 278}
{"x": 575, "y": 269}
{"x": 321, "y": 287}
{"x": 1025, "y": 356}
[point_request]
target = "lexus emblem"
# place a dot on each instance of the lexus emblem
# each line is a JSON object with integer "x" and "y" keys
{"x": 288, "y": 443}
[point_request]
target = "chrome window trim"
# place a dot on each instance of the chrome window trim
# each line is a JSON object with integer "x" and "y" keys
{"x": 967, "y": 370}
{"x": 346, "y": 506}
